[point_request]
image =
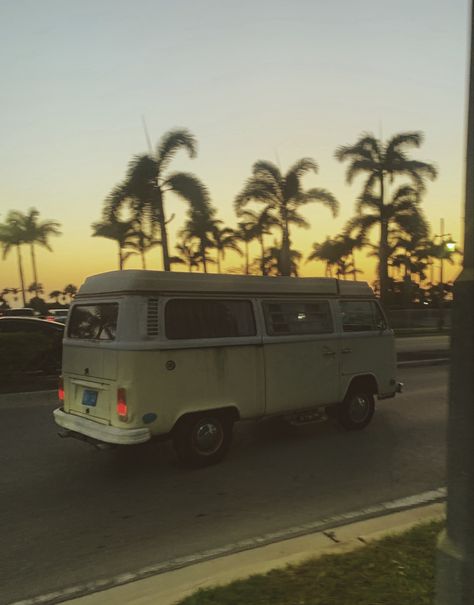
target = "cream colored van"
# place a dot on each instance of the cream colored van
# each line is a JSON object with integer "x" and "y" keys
{"x": 185, "y": 355}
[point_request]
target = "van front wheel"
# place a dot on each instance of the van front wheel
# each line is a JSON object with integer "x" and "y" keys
{"x": 202, "y": 440}
{"x": 356, "y": 411}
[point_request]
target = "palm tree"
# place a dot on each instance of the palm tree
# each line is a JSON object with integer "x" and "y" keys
{"x": 118, "y": 231}
{"x": 330, "y": 251}
{"x": 274, "y": 263}
{"x": 55, "y": 294}
{"x": 260, "y": 225}
{"x": 199, "y": 226}
{"x": 188, "y": 255}
{"x": 12, "y": 235}
{"x": 223, "y": 239}
{"x": 382, "y": 162}
{"x": 141, "y": 243}
{"x": 70, "y": 290}
{"x": 246, "y": 233}
{"x": 146, "y": 185}
{"x": 36, "y": 232}
{"x": 35, "y": 288}
{"x": 284, "y": 195}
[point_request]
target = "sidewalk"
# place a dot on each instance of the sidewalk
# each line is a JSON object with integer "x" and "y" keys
{"x": 170, "y": 587}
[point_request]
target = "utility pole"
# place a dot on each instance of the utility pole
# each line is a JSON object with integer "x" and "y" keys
{"x": 455, "y": 565}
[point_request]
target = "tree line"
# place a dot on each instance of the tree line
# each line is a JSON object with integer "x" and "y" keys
{"x": 268, "y": 206}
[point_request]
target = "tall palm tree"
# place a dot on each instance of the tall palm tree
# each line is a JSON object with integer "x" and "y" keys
{"x": 36, "y": 233}
{"x": 147, "y": 184}
{"x": 260, "y": 224}
{"x": 118, "y": 231}
{"x": 382, "y": 163}
{"x": 12, "y": 235}
{"x": 223, "y": 238}
{"x": 283, "y": 193}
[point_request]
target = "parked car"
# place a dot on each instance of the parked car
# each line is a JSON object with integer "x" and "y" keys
{"x": 23, "y": 312}
{"x": 59, "y": 315}
{"x": 29, "y": 344}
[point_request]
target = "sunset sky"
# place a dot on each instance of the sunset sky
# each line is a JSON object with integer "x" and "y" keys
{"x": 260, "y": 79}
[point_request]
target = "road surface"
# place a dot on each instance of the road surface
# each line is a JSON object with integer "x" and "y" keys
{"x": 70, "y": 514}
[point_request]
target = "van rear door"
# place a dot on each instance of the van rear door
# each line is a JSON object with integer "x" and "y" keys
{"x": 89, "y": 362}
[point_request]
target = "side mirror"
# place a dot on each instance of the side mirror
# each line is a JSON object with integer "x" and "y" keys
{"x": 381, "y": 325}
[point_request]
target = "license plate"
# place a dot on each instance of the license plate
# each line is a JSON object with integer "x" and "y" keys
{"x": 89, "y": 397}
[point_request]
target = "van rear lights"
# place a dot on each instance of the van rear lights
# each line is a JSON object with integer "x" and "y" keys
{"x": 61, "y": 389}
{"x": 122, "y": 410}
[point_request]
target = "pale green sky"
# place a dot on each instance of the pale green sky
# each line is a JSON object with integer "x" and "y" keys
{"x": 264, "y": 79}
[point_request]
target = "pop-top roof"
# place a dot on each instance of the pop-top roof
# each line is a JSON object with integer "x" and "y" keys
{"x": 120, "y": 282}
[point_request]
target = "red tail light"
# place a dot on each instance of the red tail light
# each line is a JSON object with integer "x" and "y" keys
{"x": 61, "y": 389}
{"x": 122, "y": 409}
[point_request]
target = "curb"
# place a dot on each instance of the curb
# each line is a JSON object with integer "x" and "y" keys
{"x": 324, "y": 525}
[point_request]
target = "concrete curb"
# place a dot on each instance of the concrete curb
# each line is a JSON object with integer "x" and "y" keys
{"x": 327, "y": 525}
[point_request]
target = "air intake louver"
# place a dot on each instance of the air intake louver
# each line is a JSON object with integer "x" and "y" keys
{"x": 152, "y": 317}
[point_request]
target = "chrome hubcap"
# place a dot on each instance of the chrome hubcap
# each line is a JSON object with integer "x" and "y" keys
{"x": 208, "y": 437}
{"x": 359, "y": 408}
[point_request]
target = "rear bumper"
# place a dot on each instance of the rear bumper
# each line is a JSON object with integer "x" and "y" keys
{"x": 100, "y": 432}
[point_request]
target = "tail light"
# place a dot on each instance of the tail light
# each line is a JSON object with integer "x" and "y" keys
{"x": 122, "y": 409}
{"x": 61, "y": 389}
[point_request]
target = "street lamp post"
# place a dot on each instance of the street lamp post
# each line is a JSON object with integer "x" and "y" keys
{"x": 455, "y": 570}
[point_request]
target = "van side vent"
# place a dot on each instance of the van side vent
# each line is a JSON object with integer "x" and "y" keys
{"x": 152, "y": 317}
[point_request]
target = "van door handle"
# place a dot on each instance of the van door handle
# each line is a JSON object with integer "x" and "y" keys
{"x": 327, "y": 351}
{"x": 346, "y": 350}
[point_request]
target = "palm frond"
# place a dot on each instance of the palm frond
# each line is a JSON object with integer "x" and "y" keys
{"x": 190, "y": 188}
{"x": 317, "y": 194}
{"x": 171, "y": 142}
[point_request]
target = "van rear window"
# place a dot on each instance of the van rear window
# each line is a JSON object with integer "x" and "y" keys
{"x": 201, "y": 318}
{"x": 93, "y": 322}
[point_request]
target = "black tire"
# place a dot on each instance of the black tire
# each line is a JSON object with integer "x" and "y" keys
{"x": 356, "y": 411}
{"x": 202, "y": 439}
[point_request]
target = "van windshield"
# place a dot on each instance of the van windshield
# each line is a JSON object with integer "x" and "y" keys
{"x": 94, "y": 322}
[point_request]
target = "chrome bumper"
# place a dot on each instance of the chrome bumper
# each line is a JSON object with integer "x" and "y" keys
{"x": 100, "y": 432}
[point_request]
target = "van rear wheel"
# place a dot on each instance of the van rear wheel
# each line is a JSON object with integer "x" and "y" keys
{"x": 202, "y": 440}
{"x": 356, "y": 411}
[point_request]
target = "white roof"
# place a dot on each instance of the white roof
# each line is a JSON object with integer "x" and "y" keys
{"x": 164, "y": 282}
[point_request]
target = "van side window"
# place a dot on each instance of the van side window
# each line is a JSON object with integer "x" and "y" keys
{"x": 94, "y": 322}
{"x": 361, "y": 316}
{"x": 282, "y": 318}
{"x": 207, "y": 318}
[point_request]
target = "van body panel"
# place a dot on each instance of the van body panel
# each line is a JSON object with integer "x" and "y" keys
{"x": 175, "y": 382}
{"x": 301, "y": 374}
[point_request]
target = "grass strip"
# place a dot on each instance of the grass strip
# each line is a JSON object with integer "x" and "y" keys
{"x": 395, "y": 570}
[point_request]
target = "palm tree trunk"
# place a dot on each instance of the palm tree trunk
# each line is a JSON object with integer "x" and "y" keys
{"x": 204, "y": 259}
{"x": 262, "y": 260}
{"x": 33, "y": 264}
{"x": 142, "y": 253}
{"x": 354, "y": 268}
{"x": 163, "y": 231}
{"x": 120, "y": 257}
{"x": 246, "y": 258}
{"x": 285, "y": 246}
{"x": 20, "y": 270}
{"x": 383, "y": 264}
{"x": 218, "y": 261}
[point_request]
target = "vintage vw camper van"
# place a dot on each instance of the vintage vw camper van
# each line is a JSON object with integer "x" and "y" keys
{"x": 185, "y": 355}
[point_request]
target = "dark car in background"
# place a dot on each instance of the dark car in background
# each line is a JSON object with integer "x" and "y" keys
{"x": 29, "y": 345}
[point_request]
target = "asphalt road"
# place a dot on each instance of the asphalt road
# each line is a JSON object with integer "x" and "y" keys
{"x": 70, "y": 514}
